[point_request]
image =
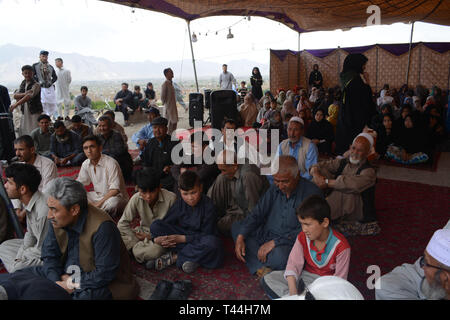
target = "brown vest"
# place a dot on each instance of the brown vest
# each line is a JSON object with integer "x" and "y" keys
{"x": 124, "y": 286}
{"x": 302, "y": 151}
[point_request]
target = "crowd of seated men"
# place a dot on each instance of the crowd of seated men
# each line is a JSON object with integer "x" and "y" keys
{"x": 79, "y": 244}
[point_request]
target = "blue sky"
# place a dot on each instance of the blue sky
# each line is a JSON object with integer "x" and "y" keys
{"x": 96, "y": 28}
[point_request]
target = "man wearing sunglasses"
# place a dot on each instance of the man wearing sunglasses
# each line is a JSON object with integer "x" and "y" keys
{"x": 427, "y": 279}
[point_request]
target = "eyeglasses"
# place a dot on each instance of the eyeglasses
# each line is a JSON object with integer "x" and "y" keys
{"x": 301, "y": 287}
{"x": 423, "y": 264}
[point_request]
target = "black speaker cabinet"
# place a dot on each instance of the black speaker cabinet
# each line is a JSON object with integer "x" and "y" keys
{"x": 223, "y": 105}
{"x": 195, "y": 108}
{"x": 207, "y": 98}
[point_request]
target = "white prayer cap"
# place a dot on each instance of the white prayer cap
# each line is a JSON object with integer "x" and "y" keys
{"x": 367, "y": 136}
{"x": 297, "y": 119}
{"x": 439, "y": 246}
{"x": 330, "y": 288}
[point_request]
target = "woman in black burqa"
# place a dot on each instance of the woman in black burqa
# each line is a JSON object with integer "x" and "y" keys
{"x": 256, "y": 82}
{"x": 358, "y": 106}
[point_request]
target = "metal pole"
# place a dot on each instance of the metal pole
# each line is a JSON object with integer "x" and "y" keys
{"x": 192, "y": 52}
{"x": 409, "y": 53}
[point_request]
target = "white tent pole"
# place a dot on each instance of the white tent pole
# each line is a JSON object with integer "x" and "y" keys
{"x": 409, "y": 54}
{"x": 192, "y": 52}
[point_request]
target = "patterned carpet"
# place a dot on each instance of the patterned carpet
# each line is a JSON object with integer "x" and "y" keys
{"x": 408, "y": 214}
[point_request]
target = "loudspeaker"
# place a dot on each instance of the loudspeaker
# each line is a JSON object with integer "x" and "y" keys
{"x": 207, "y": 98}
{"x": 195, "y": 108}
{"x": 223, "y": 105}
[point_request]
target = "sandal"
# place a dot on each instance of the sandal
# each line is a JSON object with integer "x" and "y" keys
{"x": 164, "y": 261}
{"x": 162, "y": 290}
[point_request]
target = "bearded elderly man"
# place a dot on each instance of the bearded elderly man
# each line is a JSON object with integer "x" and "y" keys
{"x": 427, "y": 279}
{"x": 83, "y": 254}
{"x": 352, "y": 183}
{"x": 264, "y": 239}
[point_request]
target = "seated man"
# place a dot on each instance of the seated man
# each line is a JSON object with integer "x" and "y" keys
{"x": 41, "y": 136}
{"x": 427, "y": 279}
{"x": 22, "y": 183}
{"x": 236, "y": 190}
{"x": 26, "y": 152}
{"x": 110, "y": 193}
{"x": 142, "y": 136}
{"x": 300, "y": 147}
{"x": 197, "y": 162}
{"x": 83, "y": 255}
{"x": 318, "y": 251}
{"x": 264, "y": 239}
{"x": 352, "y": 183}
{"x": 65, "y": 146}
{"x": 83, "y": 107}
{"x": 123, "y": 101}
{"x": 114, "y": 146}
{"x": 151, "y": 202}
{"x": 189, "y": 230}
{"x": 137, "y": 100}
{"x": 150, "y": 95}
{"x": 115, "y": 126}
{"x": 157, "y": 152}
{"x": 79, "y": 128}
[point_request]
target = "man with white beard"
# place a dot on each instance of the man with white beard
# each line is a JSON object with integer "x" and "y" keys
{"x": 349, "y": 183}
{"x": 427, "y": 279}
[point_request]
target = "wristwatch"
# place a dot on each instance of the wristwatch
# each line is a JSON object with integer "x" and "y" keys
{"x": 326, "y": 181}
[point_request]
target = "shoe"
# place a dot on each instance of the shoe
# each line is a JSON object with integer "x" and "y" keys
{"x": 162, "y": 290}
{"x": 189, "y": 266}
{"x": 181, "y": 290}
{"x": 261, "y": 272}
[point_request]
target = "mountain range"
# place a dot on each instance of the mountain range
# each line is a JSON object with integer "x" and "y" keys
{"x": 85, "y": 68}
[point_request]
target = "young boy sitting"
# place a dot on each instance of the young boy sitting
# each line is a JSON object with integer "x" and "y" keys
{"x": 318, "y": 251}
{"x": 189, "y": 229}
{"x": 150, "y": 203}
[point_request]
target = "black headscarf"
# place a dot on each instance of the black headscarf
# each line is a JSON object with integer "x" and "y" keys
{"x": 258, "y": 73}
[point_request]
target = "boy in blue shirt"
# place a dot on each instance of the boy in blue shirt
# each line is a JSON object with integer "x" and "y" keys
{"x": 189, "y": 229}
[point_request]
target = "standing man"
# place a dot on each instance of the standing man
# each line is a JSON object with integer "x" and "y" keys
{"x": 62, "y": 88}
{"x": 169, "y": 101}
{"x": 29, "y": 99}
{"x": 226, "y": 79}
{"x": 46, "y": 76}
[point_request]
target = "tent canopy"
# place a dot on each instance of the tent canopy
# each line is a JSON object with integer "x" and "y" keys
{"x": 304, "y": 15}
